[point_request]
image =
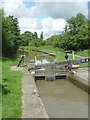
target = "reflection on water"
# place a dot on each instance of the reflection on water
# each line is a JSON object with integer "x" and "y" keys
{"x": 62, "y": 99}
{"x": 40, "y": 57}
{"x": 41, "y": 61}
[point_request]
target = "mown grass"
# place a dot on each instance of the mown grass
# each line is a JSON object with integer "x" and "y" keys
{"x": 84, "y": 53}
{"x": 61, "y": 56}
{"x": 11, "y": 90}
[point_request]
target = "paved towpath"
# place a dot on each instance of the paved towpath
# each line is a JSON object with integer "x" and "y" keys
{"x": 32, "y": 104}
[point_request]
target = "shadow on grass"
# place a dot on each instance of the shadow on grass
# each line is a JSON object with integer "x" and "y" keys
{"x": 4, "y": 86}
{"x": 4, "y": 59}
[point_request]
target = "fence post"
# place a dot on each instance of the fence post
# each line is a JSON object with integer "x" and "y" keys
{"x": 35, "y": 60}
{"x": 73, "y": 54}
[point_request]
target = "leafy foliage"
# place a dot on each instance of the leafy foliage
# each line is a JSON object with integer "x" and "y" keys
{"x": 74, "y": 36}
{"x": 26, "y": 38}
{"x": 10, "y": 36}
{"x": 41, "y": 36}
{"x": 35, "y": 35}
{"x": 37, "y": 42}
{"x": 31, "y": 39}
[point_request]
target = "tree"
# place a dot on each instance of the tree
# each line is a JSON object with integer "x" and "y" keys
{"x": 35, "y": 35}
{"x": 26, "y": 38}
{"x": 37, "y": 42}
{"x": 76, "y": 33}
{"x": 74, "y": 36}
{"x": 10, "y": 36}
{"x": 41, "y": 36}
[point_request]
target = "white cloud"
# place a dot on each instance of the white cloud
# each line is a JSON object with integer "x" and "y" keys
{"x": 18, "y": 9}
{"x": 11, "y": 5}
{"x": 30, "y": 24}
{"x": 56, "y": 13}
{"x": 58, "y": 25}
{"x": 48, "y": 25}
{"x": 62, "y": 10}
{"x": 52, "y": 26}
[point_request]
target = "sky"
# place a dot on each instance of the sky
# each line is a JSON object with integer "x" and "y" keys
{"x": 48, "y": 16}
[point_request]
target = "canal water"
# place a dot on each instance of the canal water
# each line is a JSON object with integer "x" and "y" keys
{"x": 40, "y": 58}
{"x": 61, "y": 98}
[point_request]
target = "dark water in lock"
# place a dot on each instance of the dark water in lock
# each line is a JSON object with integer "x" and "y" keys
{"x": 61, "y": 98}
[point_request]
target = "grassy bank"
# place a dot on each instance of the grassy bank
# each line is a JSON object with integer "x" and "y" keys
{"x": 11, "y": 90}
{"x": 84, "y": 53}
{"x": 61, "y": 56}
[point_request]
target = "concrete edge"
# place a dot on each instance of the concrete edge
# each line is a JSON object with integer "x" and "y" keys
{"x": 31, "y": 98}
{"x": 45, "y": 113}
{"x": 78, "y": 81}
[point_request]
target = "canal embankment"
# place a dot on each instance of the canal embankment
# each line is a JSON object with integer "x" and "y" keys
{"x": 31, "y": 102}
{"x": 80, "y": 77}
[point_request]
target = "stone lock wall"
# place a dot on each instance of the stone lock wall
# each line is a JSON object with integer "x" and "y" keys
{"x": 50, "y": 72}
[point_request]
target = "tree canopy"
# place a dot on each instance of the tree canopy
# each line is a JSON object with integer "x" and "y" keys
{"x": 31, "y": 39}
{"x": 10, "y": 36}
{"x": 74, "y": 36}
{"x": 26, "y": 38}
